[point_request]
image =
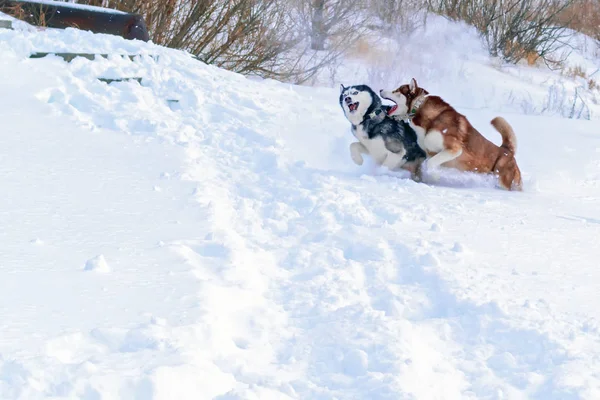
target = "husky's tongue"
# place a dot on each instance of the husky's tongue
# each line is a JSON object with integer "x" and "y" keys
{"x": 353, "y": 106}
{"x": 391, "y": 110}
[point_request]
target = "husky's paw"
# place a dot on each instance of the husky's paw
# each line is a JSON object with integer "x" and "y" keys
{"x": 355, "y": 152}
{"x": 357, "y": 158}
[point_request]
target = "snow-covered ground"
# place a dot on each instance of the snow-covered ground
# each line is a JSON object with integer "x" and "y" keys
{"x": 206, "y": 236}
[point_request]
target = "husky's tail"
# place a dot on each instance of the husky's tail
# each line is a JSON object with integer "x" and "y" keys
{"x": 509, "y": 140}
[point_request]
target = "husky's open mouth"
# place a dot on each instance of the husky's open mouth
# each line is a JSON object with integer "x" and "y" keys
{"x": 393, "y": 108}
{"x": 353, "y": 106}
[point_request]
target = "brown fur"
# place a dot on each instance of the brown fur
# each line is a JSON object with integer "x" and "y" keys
{"x": 478, "y": 153}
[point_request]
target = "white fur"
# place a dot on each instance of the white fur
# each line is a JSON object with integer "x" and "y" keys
{"x": 364, "y": 102}
{"x": 357, "y": 149}
{"x": 394, "y": 161}
{"x": 433, "y": 141}
{"x": 376, "y": 149}
{"x": 442, "y": 157}
{"x": 413, "y": 85}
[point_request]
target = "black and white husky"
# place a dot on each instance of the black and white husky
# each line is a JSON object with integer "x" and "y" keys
{"x": 390, "y": 142}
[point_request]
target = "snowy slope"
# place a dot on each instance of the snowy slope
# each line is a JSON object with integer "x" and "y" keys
{"x": 450, "y": 58}
{"x": 225, "y": 247}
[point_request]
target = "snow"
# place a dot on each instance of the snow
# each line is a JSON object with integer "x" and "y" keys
{"x": 98, "y": 264}
{"x": 206, "y": 236}
{"x": 72, "y": 4}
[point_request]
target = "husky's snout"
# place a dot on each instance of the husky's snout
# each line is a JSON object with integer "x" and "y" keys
{"x": 351, "y": 106}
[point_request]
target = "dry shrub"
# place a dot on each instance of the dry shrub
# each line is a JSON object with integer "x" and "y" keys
{"x": 238, "y": 34}
{"x": 578, "y": 72}
{"x": 332, "y": 27}
{"x": 532, "y": 58}
{"x": 521, "y": 52}
{"x": 254, "y": 37}
{"x": 38, "y": 16}
{"x": 575, "y": 72}
{"x": 324, "y": 20}
{"x": 564, "y": 102}
{"x": 513, "y": 29}
{"x": 583, "y": 16}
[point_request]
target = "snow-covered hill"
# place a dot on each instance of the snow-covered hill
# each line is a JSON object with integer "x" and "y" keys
{"x": 205, "y": 236}
{"x": 451, "y": 58}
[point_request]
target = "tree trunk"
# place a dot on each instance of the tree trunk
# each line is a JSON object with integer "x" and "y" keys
{"x": 318, "y": 34}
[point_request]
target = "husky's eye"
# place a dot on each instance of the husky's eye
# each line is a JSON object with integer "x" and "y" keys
{"x": 354, "y": 93}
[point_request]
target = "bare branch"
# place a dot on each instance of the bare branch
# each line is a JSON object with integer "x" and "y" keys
{"x": 513, "y": 29}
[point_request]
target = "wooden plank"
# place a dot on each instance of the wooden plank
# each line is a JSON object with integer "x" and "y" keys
{"x": 68, "y": 57}
{"x": 5, "y": 24}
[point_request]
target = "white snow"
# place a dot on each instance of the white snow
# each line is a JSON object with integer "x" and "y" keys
{"x": 72, "y": 4}
{"x": 98, "y": 264}
{"x": 249, "y": 258}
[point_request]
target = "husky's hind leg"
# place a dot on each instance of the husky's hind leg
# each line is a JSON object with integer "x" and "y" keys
{"x": 394, "y": 161}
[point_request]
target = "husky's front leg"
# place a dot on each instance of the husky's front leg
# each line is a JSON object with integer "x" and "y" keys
{"x": 433, "y": 164}
{"x": 356, "y": 151}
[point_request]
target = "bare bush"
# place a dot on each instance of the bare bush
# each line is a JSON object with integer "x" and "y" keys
{"x": 583, "y": 16}
{"x": 329, "y": 27}
{"x": 559, "y": 101}
{"x": 513, "y": 29}
{"x": 240, "y": 35}
{"x": 37, "y": 15}
{"x": 327, "y": 21}
{"x": 255, "y": 37}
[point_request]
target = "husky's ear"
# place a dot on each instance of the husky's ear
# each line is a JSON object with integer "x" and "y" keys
{"x": 413, "y": 85}
{"x": 342, "y": 88}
